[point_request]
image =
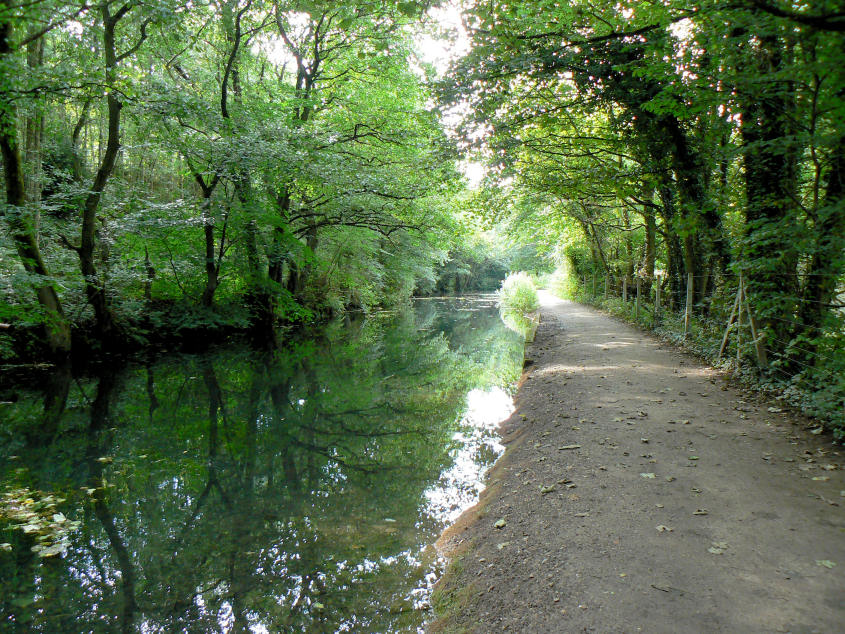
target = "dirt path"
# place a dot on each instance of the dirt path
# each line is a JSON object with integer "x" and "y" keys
{"x": 641, "y": 493}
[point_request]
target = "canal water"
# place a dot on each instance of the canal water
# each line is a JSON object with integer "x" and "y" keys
{"x": 242, "y": 490}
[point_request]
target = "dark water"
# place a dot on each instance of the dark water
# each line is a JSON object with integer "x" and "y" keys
{"x": 244, "y": 490}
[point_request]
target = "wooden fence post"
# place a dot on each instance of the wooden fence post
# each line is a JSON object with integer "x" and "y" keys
{"x": 731, "y": 320}
{"x": 688, "y": 309}
{"x": 637, "y": 304}
{"x": 760, "y": 349}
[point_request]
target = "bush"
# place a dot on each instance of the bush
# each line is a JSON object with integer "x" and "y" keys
{"x": 518, "y": 293}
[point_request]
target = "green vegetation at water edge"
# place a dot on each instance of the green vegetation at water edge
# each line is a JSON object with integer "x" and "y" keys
{"x": 518, "y": 293}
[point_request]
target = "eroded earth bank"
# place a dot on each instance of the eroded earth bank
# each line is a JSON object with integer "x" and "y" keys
{"x": 640, "y": 491}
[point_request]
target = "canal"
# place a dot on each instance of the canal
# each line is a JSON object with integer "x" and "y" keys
{"x": 293, "y": 490}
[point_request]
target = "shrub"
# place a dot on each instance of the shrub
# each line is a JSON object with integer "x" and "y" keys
{"x": 518, "y": 293}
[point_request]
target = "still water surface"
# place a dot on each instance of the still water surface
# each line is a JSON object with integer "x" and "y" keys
{"x": 241, "y": 490}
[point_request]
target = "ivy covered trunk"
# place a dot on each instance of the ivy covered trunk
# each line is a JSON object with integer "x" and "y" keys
{"x": 771, "y": 253}
{"x": 828, "y": 260}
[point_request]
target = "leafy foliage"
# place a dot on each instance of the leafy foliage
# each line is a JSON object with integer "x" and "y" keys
{"x": 663, "y": 141}
{"x": 518, "y": 293}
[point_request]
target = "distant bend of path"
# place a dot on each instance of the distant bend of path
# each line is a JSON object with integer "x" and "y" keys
{"x": 642, "y": 493}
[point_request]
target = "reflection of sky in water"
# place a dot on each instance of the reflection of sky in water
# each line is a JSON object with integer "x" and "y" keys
{"x": 476, "y": 448}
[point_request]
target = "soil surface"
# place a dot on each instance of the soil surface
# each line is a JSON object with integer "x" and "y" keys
{"x": 641, "y": 492}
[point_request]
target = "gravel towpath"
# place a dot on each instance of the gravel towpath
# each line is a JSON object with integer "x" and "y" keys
{"x": 641, "y": 492}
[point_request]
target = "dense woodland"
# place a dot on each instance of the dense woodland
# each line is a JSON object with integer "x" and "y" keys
{"x": 181, "y": 167}
{"x": 666, "y": 142}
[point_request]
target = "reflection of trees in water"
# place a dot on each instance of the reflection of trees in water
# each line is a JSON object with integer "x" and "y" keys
{"x": 254, "y": 486}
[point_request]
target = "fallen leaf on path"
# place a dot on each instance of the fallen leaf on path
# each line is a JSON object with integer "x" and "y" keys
{"x": 663, "y": 529}
{"x": 582, "y": 515}
{"x": 693, "y": 458}
{"x": 650, "y": 476}
{"x": 715, "y": 551}
{"x": 500, "y": 524}
{"x": 503, "y": 545}
{"x": 827, "y": 563}
{"x": 548, "y": 489}
{"x": 774, "y": 410}
{"x": 565, "y": 447}
{"x": 821, "y": 478}
{"x": 829, "y": 467}
{"x": 700, "y": 512}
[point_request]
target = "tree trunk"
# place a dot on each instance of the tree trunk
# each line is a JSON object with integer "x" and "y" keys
{"x": 299, "y": 273}
{"x": 650, "y": 252}
{"x": 771, "y": 255}
{"x": 34, "y": 134}
{"x": 827, "y": 265}
{"x": 212, "y": 269}
{"x": 278, "y": 253}
{"x": 20, "y": 221}
{"x": 151, "y": 273}
{"x": 674, "y": 254}
{"x": 95, "y": 290}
